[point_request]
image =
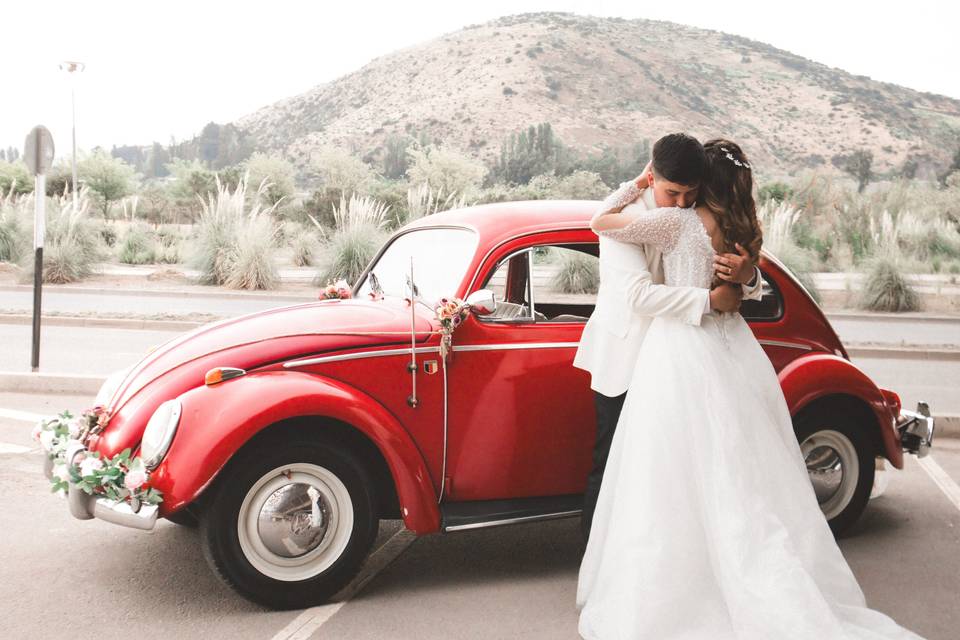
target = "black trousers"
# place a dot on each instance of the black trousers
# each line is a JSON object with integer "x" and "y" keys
{"x": 608, "y": 413}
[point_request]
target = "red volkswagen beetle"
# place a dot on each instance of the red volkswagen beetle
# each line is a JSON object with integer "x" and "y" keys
{"x": 287, "y": 434}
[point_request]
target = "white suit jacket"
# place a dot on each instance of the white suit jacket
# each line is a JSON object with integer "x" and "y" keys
{"x": 631, "y": 293}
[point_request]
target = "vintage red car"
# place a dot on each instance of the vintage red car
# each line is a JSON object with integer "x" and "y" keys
{"x": 288, "y": 434}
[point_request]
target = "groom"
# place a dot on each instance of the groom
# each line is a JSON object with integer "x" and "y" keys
{"x": 632, "y": 292}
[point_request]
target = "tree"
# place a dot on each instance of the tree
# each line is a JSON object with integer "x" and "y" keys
{"x": 445, "y": 168}
{"x": 109, "y": 178}
{"x": 859, "y": 164}
{"x": 15, "y": 177}
{"x": 278, "y": 173}
{"x": 338, "y": 170}
{"x": 395, "y": 160}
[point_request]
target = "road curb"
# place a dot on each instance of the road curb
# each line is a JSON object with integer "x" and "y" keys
{"x": 113, "y": 323}
{"x": 165, "y": 293}
{"x": 51, "y": 383}
{"x": 880, "y": 316}
{"x": 903, "y": 353}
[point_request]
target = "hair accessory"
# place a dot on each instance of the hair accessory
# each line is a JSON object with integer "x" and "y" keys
{"x": 739, "y": 163}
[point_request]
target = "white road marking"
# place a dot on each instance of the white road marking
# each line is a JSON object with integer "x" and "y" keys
{"x": 12, "y": 448}
{"x": 23, "y": 416}
{"x": 942, "y": 479}
{"x": 307, "y": 623}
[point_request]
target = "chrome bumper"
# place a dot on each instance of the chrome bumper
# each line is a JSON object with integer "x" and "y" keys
{"x": 84, "y": 506}
{"x": 916, "y": 430}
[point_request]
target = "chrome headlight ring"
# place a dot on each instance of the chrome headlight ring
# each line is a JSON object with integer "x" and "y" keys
{"x": 159, "y": 433}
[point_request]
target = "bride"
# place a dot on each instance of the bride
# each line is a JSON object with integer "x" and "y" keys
{"x": 707, "y": 525}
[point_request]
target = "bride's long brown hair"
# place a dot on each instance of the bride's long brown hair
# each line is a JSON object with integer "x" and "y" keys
{"x": 727, "y": 191}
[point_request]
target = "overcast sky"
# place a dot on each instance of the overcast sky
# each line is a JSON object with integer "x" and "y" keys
{"x": 162, "y": 69}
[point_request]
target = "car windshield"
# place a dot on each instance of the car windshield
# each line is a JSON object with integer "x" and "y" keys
{"x": 440, "y": 260}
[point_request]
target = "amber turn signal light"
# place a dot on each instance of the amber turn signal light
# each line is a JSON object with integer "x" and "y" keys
{"x": 222, "y": 374}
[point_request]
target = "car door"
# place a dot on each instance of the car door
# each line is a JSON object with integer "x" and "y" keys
{"x": 521, "y": 417}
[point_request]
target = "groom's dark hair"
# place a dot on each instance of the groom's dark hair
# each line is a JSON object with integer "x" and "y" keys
{"x": 679, "y": 158}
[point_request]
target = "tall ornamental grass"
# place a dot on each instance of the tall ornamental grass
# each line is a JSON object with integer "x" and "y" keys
{"x": 357, "y": 235}
{"x": 235, "y": 245}
{"x": 578, "y": 273}
{"x": 778, "y": 220}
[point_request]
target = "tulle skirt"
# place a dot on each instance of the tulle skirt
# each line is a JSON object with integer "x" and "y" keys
{"x": 707, "y": 525}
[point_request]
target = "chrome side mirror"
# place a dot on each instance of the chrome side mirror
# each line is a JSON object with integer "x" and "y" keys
{"x": 482, "y": 302}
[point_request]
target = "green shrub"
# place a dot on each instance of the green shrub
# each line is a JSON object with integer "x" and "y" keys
{"x": 579, "y": 273}
{"x": 138, "y": 245}
{"x": 886, "y": 289}
{"x": 304, "y": 246}
{"x": 14, "y": 233}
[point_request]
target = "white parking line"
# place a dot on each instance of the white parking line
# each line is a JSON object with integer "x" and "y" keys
{"x": 942, "y": 479}
{"x": 12, "y": 448}
{"x": 23, "y": 416}
{"x": 307, "y": 623}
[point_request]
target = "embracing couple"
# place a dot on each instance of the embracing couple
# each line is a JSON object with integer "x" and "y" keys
{"x": 700, "y": 518}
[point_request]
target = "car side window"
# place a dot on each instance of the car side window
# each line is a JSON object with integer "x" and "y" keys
{"x": 561, "y": 281}
{"x": 767, "y": 309}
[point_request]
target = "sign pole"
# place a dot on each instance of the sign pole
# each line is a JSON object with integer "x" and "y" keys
{"x": 39, "y": 230}
{"x": 38, "y": 155}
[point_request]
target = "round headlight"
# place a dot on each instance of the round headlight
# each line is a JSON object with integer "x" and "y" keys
{"x": 159, "y": 433}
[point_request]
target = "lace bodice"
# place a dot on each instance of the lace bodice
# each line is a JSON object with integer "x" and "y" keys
{"x": 687, "y": 250}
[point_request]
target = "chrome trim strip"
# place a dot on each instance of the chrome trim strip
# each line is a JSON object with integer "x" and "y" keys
{"x": 355, "y": 356}
{"x": 519, "y": 345}
{"x": 788, "y": 345}
{"x": 446, "y": 412}
{"x": 533, "y": 303}
{"x": 497, "y": 523}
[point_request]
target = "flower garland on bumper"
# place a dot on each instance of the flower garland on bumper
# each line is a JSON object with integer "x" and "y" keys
{"x": 120, "y": 478}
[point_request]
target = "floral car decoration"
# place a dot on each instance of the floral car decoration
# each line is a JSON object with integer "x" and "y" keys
{"x": 338, "y": 290}
{"x": 286, "y": 435}
{"x": 119, "y": 478}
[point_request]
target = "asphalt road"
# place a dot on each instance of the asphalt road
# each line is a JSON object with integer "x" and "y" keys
{"x": 63, "y": 576}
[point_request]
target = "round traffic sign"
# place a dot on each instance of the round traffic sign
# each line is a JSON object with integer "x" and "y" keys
{"x": 38, "y": 150}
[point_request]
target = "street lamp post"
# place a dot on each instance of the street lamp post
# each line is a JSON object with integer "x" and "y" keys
{"x": 72, "y": 67}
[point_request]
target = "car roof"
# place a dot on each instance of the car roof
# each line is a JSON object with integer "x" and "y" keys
{"x": 497, "y": 221}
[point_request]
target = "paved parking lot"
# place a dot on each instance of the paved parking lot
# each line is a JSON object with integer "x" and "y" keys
{"x": 62, "y": 575}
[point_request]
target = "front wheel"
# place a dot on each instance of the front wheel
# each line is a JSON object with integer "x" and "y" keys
{"x": 288, "y": 526}
{"x": 840, "y": 462}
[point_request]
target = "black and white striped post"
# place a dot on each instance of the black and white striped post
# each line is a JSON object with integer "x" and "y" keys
{"x": 38, "y": 155}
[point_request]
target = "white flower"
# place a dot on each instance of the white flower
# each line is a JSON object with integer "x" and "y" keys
{"x": 60, "y": 471}
{"x": 37, "y": 430}
{"x": 90, "y": 464}
{"x": 46, "y": 438}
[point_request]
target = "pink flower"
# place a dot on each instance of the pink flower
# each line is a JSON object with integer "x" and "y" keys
{"x": 37, "y": 430}
{"x": 135, "y": 479}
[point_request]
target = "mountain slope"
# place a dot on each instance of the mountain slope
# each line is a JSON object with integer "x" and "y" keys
{"x": 610, "y": 81}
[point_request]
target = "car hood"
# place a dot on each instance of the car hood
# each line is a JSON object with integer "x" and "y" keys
{"x": 268, "y": 337}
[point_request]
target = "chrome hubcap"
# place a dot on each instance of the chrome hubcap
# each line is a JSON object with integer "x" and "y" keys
{"x": 834, "y": 469}
{"x": 295, "y": 522}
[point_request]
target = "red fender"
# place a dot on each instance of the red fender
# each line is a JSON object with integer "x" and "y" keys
{"x": 217, "y": 420}
{"x": 814, "y": 376}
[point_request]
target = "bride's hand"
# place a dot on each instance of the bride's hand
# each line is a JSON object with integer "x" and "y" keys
{"x": 642, "y": 181}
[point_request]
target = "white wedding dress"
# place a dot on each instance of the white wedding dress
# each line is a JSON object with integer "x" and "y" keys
{"x": 707, "y": 526}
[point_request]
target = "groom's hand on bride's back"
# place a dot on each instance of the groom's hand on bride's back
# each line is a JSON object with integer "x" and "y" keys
{"x": 726, "y": 297}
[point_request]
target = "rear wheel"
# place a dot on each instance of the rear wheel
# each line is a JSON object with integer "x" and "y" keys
{"x": 840, "y": 461}
{"x": 290, "y": 525}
